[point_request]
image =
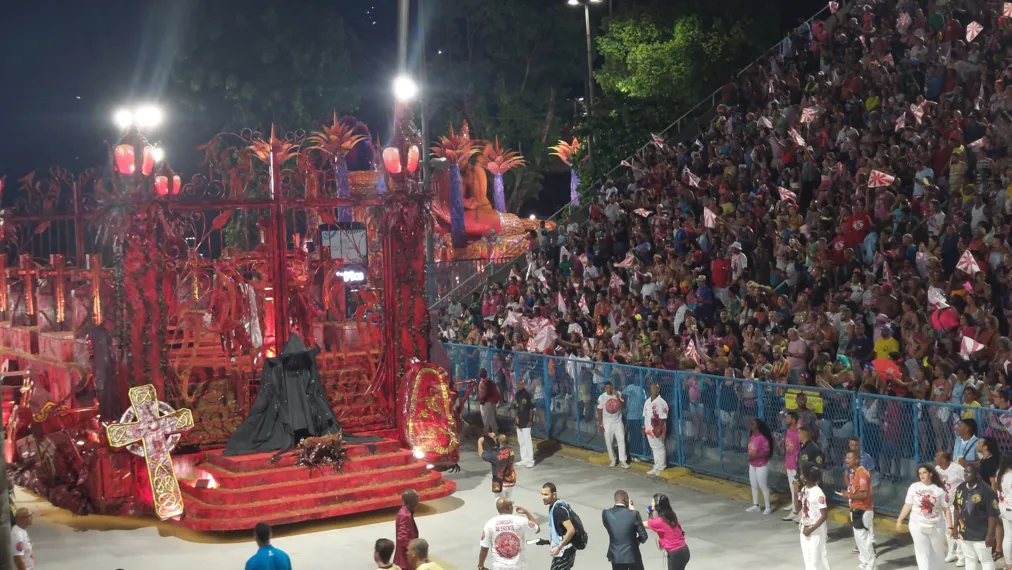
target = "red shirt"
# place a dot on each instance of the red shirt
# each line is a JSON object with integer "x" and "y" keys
{"x": 836, "y": 249}
{"x": 406, "y": 532}
{"x": 720, "y": 272}
{"x": 856, "y": 228}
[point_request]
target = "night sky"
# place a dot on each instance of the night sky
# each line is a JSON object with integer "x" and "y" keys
{"x": 66, "y": 65}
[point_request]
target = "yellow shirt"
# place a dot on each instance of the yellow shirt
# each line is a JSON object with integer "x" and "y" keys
{"x": 970, "y": 414}
{"x": 886, "y": 346}
{"x": 429, "y": 566}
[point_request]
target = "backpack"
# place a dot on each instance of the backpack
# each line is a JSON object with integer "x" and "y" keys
{"x": 580, "y": 537}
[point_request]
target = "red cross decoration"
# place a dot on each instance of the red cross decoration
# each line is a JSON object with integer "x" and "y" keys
{"x": 151, "y": 429}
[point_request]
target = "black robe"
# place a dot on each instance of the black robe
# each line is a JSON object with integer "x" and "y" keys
{"x": 290, "y": 405}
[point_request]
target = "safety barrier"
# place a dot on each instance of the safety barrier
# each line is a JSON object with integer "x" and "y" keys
{"x": 710, "y": 417}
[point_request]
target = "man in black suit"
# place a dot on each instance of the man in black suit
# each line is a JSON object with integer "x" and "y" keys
{"x": 625, "y": 533}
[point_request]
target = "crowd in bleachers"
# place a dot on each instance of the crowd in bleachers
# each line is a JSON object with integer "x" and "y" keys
{"x": 842, "y": 222}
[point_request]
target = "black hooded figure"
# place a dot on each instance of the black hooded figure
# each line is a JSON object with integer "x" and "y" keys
{"x": 289, "y": 407}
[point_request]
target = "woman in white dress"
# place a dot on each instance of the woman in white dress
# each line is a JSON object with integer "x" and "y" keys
{"x": 1004, "y": 488}
{"x": 927, "y": 506}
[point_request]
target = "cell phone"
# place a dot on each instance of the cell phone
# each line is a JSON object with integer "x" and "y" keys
{"x": 650, "y": 509}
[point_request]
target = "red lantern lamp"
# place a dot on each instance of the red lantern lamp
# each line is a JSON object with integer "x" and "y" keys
{"x": 162, "y": 185}
{"x": 176, "y": 185}
{"x": 148, "y": 162}
{"x": 126, "y": 160}
{"x": 392, "y": 159}
{"x": 413, "y": 159}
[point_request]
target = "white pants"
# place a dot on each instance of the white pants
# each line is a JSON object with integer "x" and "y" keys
{"x": 813, "y": 549}
{"x": 954, "y": 548}
{"x": 865, "y": 540}
{"x": 976, "y": 555}
{"x": 506, "y": 492}
{"x": 929, "y": 549}
{"x": 615, "y": 431}
{"x": 526, "y": 446}
{"x": 792, "y": 476}
{"x": 758, "y": 477}
{"x": 488, "y": 418}
{"x": 660, "y": 452}
{"x": 1006, "y": 542}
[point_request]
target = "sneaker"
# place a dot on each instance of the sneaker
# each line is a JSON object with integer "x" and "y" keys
{"x": 960, "y": 563}
{"x": 752, "y": 509}
{"x": 790, "y": 517}
{"x": 653, "y": 471}
{"x": 789, "y": 507}
{"x": 624, "y": 465}
{"x": 768, "y": 511}
{"x": 855, "y": 551}
{"x": 612, "y": 465}
{"x": 950, "y": 558}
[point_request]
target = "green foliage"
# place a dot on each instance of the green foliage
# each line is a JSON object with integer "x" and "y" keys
{"x": 621, "y": 125}
{"x": 260, "y": 62}
{"x": 508, "y": 68}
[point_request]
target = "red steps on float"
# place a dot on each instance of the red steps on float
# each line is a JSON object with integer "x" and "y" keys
{"x": 251, "y": 488}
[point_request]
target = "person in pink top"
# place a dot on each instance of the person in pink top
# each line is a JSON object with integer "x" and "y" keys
{"x": 760, "y": 447}
{"x": 670, "y": 536}
{"x": 792, "y": 444}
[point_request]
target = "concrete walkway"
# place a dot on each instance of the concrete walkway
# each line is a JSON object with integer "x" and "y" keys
{"x": 720, "y": 534}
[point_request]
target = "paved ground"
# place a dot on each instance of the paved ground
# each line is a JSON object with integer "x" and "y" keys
{"x": 720, "y": 534}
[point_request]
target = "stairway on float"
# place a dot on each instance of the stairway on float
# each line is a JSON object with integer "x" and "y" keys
{"x": 251, "y": 488}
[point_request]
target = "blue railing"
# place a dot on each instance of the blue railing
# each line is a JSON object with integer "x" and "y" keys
{"x": 710, "y": 417}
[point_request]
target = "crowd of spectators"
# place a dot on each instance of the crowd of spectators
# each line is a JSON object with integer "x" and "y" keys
{"x": 807, "y": 274}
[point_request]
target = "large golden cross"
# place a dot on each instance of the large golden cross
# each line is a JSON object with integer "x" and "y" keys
{"x": 152, "y": 431}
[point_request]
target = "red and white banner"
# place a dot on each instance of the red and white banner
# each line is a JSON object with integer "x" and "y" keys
{"x": 901, "y": 122}
{"x": 627, "y": 262}
{"x": 511, "y": 319}
{"x": 967, "y": 263}
{"x": 541, "y": 333}
{"x": 797, "y": 138}
{"x": 977, "y": 143}
{"x": 560, "y": 302}
{"x": 583, "y": 305}
{"x": 936, "y": 298}
{"x": 564, "y": 252}
{"x": 764, "y": 121}
{"x": 642, "y": 212}
{"x": 626, "y": 164}
{"x": 786, "y": 194}
{"x": 709, "y": 218}
{"x": 833, "y": 7}
{"x": 584, "y": 259}
{"x": 692, "y": 353}
{"x": 972, "y": 30}
{"x": 887, "y": 273}
{"x": 903, "y": 22}
{"x": 1006, "y": 10}
{"x": 968, "y": 346}
{"x": 917, "y": 111}
{"x": 808, "y": 115}
{"x": 615, "y": 282}
{"x": 657, "y": 140}
{"x": 879, "y": 179}
{"x": 887, "y": 59}
{"x": 514, "y": 274}
{"x": 693, "y": 179}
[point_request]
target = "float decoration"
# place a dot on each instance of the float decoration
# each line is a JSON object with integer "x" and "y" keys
{"x": 458, "y": 150}
{"x": 498, "y": 162}
{"x": 566, "y": 151}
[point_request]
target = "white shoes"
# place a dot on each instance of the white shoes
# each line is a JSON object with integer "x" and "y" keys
{"x": 612, "y": 465}
{"x": 752, "y": 509}
{"x": 653, "y": 471}
{"x": 960, "y": 563}
{"x": 768, "y": 511}
{"x": 624, "y": 465}
{"x": 789, "y": 507}
{"x": 950, "y": 558}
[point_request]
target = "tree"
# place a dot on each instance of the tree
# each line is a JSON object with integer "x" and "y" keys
{"x": 506, "y": 67}
{"x": 251, "y": 63}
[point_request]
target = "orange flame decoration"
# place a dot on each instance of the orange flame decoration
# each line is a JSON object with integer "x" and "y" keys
{"x": 458, "y": 149}
{"x": 284, "y": 149}
{"x": 498, "y": 161}
{"x": 565, "y": 151}
{"x": 337, "y": 139}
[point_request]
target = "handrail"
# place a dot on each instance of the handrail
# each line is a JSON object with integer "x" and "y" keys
{"x": 677, "y": 122}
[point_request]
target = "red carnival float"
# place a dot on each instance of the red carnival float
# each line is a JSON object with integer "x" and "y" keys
{"x": 133, "y": 354}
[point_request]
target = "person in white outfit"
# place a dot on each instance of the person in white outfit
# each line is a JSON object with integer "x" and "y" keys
{"x": 926, "y": 504}
{"x": 951, "y": 475}
{"x": 976, "y": 520}
{"x": 813, "y": 521}
{"x": 1004, "y": 478}
{"x": 609, "y": 420}
{"x": 505, "y": 537}
{"x": 655, "y": 421}
{"x": 21, "y": 544}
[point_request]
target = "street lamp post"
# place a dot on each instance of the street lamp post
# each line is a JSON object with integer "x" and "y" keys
{"x": 590, "y": 72}
{"x": 134, "y": 158}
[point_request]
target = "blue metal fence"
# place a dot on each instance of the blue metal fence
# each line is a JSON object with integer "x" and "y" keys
{"x": 710, "y": 417}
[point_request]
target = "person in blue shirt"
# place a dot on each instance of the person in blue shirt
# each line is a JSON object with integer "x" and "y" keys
{"x": 267, "y": 557}
{"x": 965, "y": 449}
